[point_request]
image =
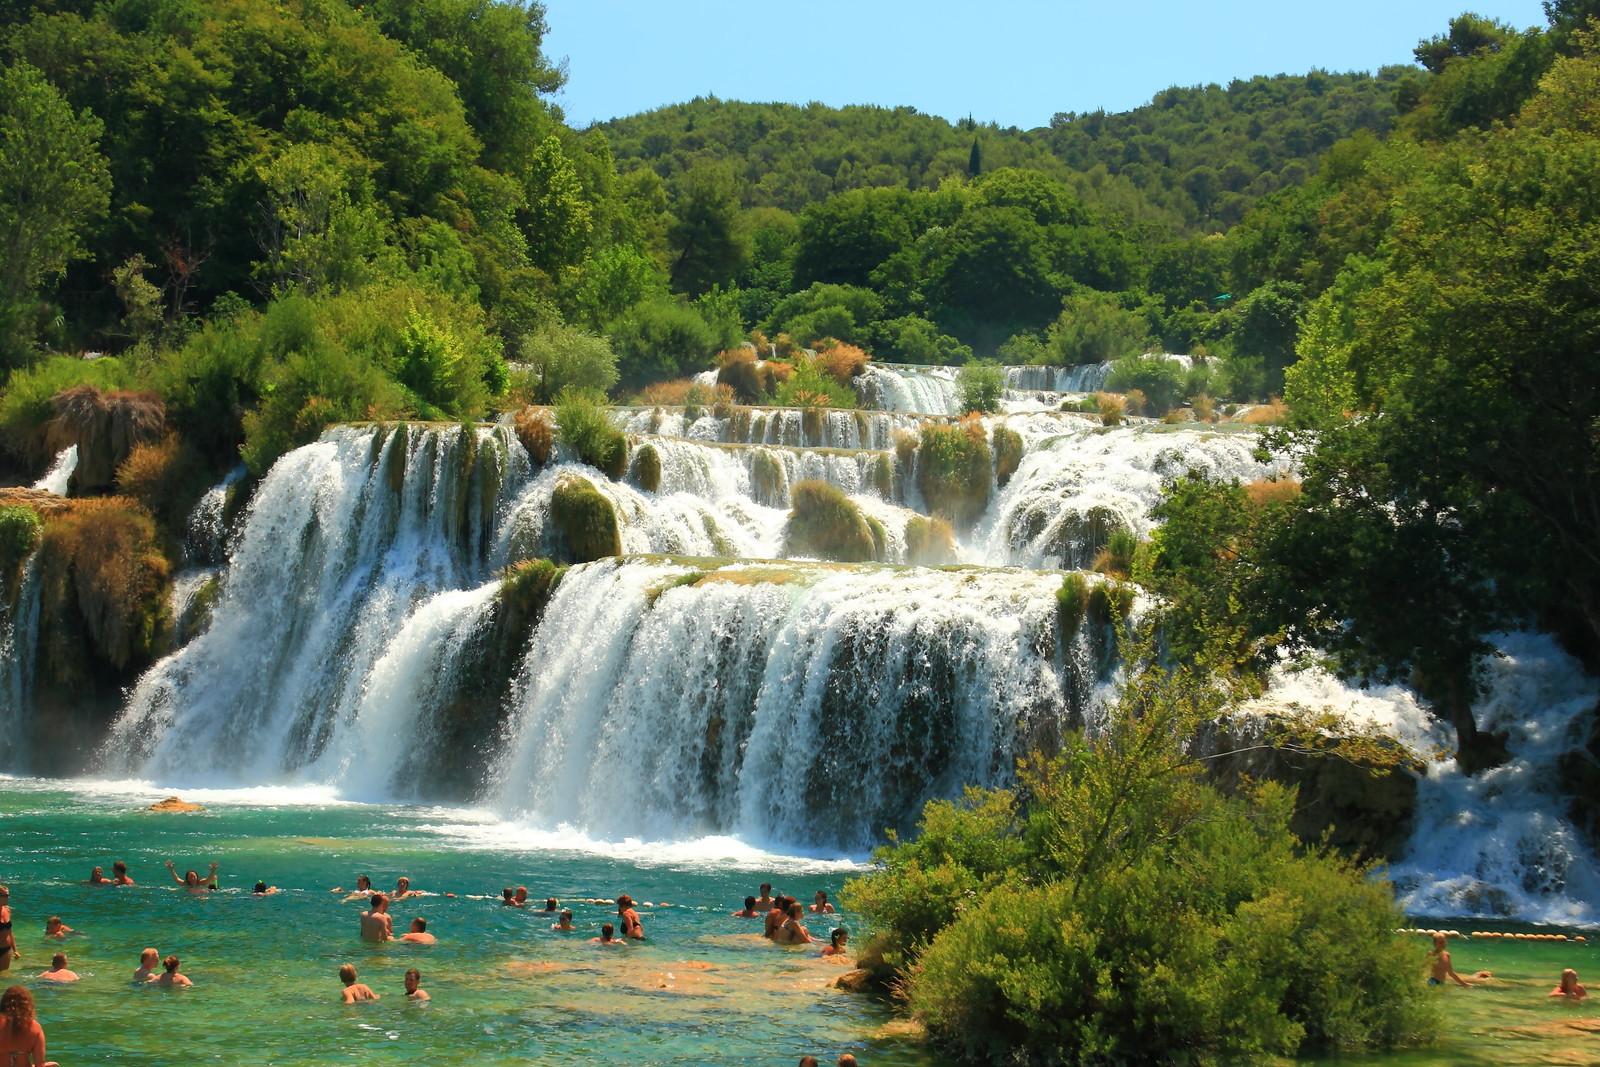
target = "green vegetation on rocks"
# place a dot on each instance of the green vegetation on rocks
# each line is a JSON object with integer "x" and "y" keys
{"x": 1117, "y": 908}
{"x": 954, "y": 470}
{"x": 827, "y": 524}
{"x": 1007, "y": 454}
{"x": 647, "y": 468}
{"x": 585, "y": 426}
{"x": 586, "y": 520}
{"x": 930, "y": 542}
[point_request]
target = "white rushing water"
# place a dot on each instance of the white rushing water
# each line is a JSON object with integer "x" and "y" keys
{"x": 786, "y": 705}
{"x": 59, "y": 476}
{"x": 19, "y": 642}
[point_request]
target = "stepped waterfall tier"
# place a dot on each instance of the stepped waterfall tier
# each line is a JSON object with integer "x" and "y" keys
{"x": 416, "y": 613}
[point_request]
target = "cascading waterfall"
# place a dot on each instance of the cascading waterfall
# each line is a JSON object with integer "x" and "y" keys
{"x": 781, "y": 703}
{"x": 59, "y": 476}
{"x": 342, "y": 541}
{"x": 1072, "y": 490}
{"x": 19, "y": 641}
{"x": 784, "y": 702}
{"x": 927, "y": 390}
{"x": 785, "y": 427}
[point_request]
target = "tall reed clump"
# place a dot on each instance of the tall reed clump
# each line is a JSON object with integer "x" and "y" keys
{"x": 827, "y": 524}
{"x": 533, "y": 429}
{"x": 769, "y": 482}
{"x": 167, "y": 478}
{"x": 1007, "y": 454}
{"x": 586, "y": 520}
{"x": 1117, "y": 908}
{"x": 954, "y": 469}
{"x": 930, "y": 542}
{"x": 586, "y": 428}
{"x": 103, "y": 588}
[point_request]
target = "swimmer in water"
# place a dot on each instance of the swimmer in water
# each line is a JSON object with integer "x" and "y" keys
{"x": 262, "y": 889}
{"x": 776, "y": 916}
{"x": 632, "y": 929}
{"x": 402, "y": 889}
{"x": 192, "y": 880}
{"x": 822, "y": 907}
{"x": 98, "y": 877}
{"x": 354, "y": 990}
{"x": 607, "y": 936}
{"x": 376, "y": 923}
{"x": 565, "y": 922}
{"x": 21, "y": 1036}
{"x": 765, "y": 901}
{"x": 792, "y": 931}
{"x": 119, "y": 874}
{"x": 749, "y": 911}
{"x": 1569, "y": 986}
{"x": 149, "y": 959}
{"x": 522, "y": 896}
{"x": 1439, "y": 965}
{"x": 414, "y": 990}
{"x": 508, "y": 898}
{"x": 171, "y": 979}
{"x": 362, "y": 892}
{"x": 418, "y": 934}
{"x": 836, "y": 943}
{"x": 58, "y": 971}
{"x": 8, "y": 940}
{"x": 552, "y": 905}
{"x": 55, "y": 928}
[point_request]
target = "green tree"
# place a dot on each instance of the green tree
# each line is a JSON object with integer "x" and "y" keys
{"x": 1094, "y": 327}
{"x": 53, "y": 185}
{"x": 980, "y": 383}
{"x": 705, "y": 248}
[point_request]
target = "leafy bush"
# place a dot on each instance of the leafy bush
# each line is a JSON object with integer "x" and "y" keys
{"x": 955, "y": 469}
{"x": 827, "y": 524}
{"x": 842, "y": 362}
{"x": 810, "y": 387}
{"x": 1117, "y": 557}
{"x": 1093, "y": 328}
{"x": 19, "y": 535}
{"x": 1159, "y": 379}
{"x": 585, "y": 427}
{"x": 913, "y": 339}
{"x": 658, "y": 339}
{"x": 981, "y": 383}
{"x": 1117, "y": 909}
{"x": 559, "y": 356}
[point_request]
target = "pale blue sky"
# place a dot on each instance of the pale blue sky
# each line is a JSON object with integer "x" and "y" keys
{"x": 1014, "y": 62}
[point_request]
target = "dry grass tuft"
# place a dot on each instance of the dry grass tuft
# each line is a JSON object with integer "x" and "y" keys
{"x": 537, "y": 434}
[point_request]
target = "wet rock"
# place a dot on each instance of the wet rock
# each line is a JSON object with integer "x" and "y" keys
{"x": 856, "y": 981}
{"x": 175, "y": 804}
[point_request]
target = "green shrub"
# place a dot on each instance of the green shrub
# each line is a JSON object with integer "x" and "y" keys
{"x": 586, "y": 428}
{"x": 930, "y": 542}
{"x": 19, "y": 535}
{"x": 810, "y": 387}
{"x": 586, "y": 520}
{"x": 25, "y": 408}
{"x": 1116, "y": 908}
{"x": 556, "y": 356}
{"x": 1159, "y": 379}
{"x": 954, "y": 470}
{"x": 980, "y": 384}
{"x": 647, "y": 468}
{"x": 769, "y": 483}
{"x": 827, "y": 524}
{"x": 1007, "y": 453}
{"x": 1072, "y": 601}
{"x": 1117, "y": 557}
{"x": 659, "y": 339}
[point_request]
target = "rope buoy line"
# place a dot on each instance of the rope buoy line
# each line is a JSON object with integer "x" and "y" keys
{"x": 1579, "y": 939}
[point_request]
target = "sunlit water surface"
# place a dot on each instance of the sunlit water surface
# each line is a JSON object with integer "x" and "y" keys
{"x": 704, "y": 988}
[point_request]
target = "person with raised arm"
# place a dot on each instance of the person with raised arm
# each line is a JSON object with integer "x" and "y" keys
{"x": 192, "y": 881}
{"x": 21, "y": 1036}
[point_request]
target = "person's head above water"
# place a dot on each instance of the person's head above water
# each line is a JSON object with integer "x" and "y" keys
{"x": 838, "y": 937}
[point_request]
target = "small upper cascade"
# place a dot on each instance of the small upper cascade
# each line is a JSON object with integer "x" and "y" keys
{"x": 342, "y": 539}
{"x": 786, "y": 427}
{"x": 1072, "y": 490}
{"x": 205, "y": 533}
{"x": 657, "y": 701}
{"x": 925, "y": 390}
{"x": 1083, "y": 378}
{"x": 59, "y": 477}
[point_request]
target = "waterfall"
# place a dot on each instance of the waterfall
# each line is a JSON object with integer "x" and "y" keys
{"x": 781, "y": 703}
{"x": 1083, "y": 378}
{"x": 341, "y": 542}
{"x": 205, "y": 533}
{"x": 19, "y": 642}
{"x": 928, "y": 390}
{"x": 59, "y": 477}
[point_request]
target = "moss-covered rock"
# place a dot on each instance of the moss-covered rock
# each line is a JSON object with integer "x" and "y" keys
{"x": 1007, "y": 453}
{"x": 585, "y": 519}
{"x": 827, "y": 524}
{"x": 647, "y": 468}
{"x": 105, "y": 427}
{"x": 882, "y": 475}
{"x": 769, "y": 482}
{"x": 954, "y": 467}
{"x": 930, "y": 542}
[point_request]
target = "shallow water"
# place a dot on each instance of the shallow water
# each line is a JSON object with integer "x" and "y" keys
{"x": 704, "y": 988}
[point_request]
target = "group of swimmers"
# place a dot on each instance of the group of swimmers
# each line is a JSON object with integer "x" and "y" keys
{"x": 1441, "y": 970}
{"x": 785, "y": 919}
